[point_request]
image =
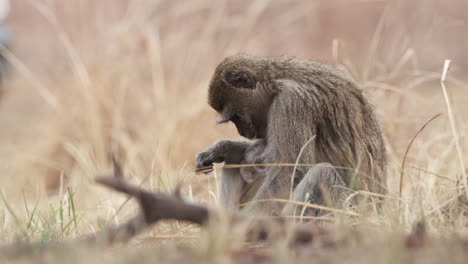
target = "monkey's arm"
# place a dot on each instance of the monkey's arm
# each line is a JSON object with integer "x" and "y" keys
{"x": 224, "y": 150}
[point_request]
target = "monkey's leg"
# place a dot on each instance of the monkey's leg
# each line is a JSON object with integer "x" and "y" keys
{"x": 231, "y": 187}
{"x": 321, "y": 185}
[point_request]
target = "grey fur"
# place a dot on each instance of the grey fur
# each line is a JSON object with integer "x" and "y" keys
{"x": 253, "y": 155}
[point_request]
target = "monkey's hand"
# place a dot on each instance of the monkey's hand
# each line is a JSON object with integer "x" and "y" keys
{"x": 224, "y": 150}
{"x": 204, "y": 161}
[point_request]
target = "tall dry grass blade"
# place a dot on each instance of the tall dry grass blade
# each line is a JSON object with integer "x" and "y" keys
{"x": 81, "y": 73}
{"x": 255, "y": 10}
{"x": 374, "y": 44}
{"x": 453, "y": 125}
{"x": 409, "y": 53}
{"x": 41, "y": 89}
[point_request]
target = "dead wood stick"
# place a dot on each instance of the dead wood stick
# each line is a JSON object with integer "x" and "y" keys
{"x": 154, "y": 207}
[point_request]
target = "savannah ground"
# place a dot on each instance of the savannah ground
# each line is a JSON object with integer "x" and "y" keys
{"x": 89, "y": 78}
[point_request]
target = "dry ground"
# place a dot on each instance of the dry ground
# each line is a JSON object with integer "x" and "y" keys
{"x": 130, "y": 77}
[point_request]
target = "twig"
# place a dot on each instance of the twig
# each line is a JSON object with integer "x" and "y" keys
{"x": 154, "y": 207}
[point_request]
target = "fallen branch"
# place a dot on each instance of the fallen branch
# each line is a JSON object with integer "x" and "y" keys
{"x": 154, "y": 207}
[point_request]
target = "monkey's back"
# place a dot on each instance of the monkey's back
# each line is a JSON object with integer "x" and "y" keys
{"x": 347, "y": 134}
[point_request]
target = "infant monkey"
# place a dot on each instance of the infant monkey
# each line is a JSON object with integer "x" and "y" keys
{"x": 253, "y": 155}
{"x": 237, "y": 184}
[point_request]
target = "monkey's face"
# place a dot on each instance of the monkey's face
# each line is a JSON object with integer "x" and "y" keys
{"x": 237, "y": 92}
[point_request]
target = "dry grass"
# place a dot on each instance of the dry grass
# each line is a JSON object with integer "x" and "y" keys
{"x": 94, "y": 77}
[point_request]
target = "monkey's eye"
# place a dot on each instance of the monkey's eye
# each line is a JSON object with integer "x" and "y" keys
{"x": 240, "y": 80}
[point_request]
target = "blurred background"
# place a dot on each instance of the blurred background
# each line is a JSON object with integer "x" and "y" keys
{"x": 87, "y": 78}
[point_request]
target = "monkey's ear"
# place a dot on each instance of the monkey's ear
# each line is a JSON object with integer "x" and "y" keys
{"x": 240, "y": 79}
